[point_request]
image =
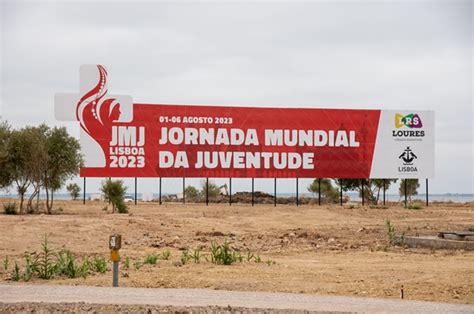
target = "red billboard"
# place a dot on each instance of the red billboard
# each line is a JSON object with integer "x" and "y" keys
{"x": 124, "y": 139}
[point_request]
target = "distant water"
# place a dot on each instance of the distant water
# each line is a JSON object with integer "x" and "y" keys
{"x": 449, "y": 197}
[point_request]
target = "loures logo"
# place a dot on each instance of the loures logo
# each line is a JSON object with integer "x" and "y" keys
{"x": 410, "y": 121}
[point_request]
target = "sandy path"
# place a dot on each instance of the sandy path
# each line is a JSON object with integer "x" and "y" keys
{"x": 20, "y": 293}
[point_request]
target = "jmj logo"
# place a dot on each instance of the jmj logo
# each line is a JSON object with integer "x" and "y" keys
{"x": 103, "y": 119}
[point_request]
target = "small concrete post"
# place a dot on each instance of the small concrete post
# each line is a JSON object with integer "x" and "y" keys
{"x": 115, "y": 243}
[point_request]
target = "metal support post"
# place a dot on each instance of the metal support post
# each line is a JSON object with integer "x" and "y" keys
{"x": 230, "y": 191}
{"x": 160, "y": 192}
{"x": 135, "y": 190}
{"x": 207, "y": 191}
{"x": 84, "y": 192}
{"x": 275, "y": 192}
{"x": 426, "y": 192}
{"x": 253, "y": 191}
{"x": 297, "y": 196}
{"x": 362, "y": 182}
{"x": 184, "y": 190}
{"x": 384, "y": 191}
{"x": 406, "y": 203}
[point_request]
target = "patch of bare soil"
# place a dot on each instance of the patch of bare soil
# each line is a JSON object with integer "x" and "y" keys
{"x": 328, "y": 249}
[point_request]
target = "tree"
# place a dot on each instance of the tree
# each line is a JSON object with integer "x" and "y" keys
{"x": 6, "y": 171}
{"x": 371, "y": 187}
{"x": 212, "y": 189}
{"x": 328, "y": 192}
{"x": 73, "y": 190}
{"x": 191, "y": 192}
{"x": 38, "y": 157}
{"x": 412, "y": 186}
{"x": 114, "y": 192}
{"x": 379, "y": 185}
{"x": 63, "y": 161}
{"x": 26, "y": 158}
{"x": 36, "y": 162}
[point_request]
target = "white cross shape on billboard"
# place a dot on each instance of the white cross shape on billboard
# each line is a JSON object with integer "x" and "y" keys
{"x": 67, "y": 108}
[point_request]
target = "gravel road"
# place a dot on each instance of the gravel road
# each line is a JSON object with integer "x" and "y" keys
{"x": 130, "y": 299}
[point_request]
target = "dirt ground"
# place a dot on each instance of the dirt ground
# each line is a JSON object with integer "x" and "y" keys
{"x": 328, "y": 250}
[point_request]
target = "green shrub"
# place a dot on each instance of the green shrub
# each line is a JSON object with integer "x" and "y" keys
{"x": 85, "y": 268}
{"x": 138, "y": 265}
{"x": 224, "y": 254}
{"x": 68, "y": 266}
{"x": 31, "y": 266}
{"x": 237, "y": 256}
{"x": 16, "y": 272}
{"x": 196, "y": 256}
{"x": 191, "y": 192}
{"x": 151, "y": 259}
{"x": 62, "y": 260}
{"x": 45, "y": 259}
{"x": 122, "y": 208}
{"x": 390, "y": 232}
{"x": 73, "y": 190}
{"x": 378, "y": 207}
{"x": 126, "y": 263}
{"x": 414, "y": 207}
{"x": 270, "y": 262}
{"x": 47, "y": 264}
{"x": 250, "y": 256}
{"x": 99, "y": 264}
{"x": 185, "y": 257}
{"x": 5, "y": 263}
{"x": 392, "y": 236}
{"x": 166, "y": 255}
{"x": 9, "y": 208}
{"x": 114, "y": 192}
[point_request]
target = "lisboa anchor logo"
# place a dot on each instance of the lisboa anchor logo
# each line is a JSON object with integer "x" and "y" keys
{"x": 408, "y": 157}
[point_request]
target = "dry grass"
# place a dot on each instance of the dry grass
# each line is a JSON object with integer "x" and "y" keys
{"x": 326, "y": 250}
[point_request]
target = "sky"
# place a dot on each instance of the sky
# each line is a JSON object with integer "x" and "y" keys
{"x": 415, "y": 55}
